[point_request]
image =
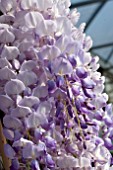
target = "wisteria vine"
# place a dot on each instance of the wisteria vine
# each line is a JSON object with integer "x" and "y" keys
{"x": 56, "y": 114}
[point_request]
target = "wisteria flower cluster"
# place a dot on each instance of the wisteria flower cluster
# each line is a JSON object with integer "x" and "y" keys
{"x": 56, "y": 114}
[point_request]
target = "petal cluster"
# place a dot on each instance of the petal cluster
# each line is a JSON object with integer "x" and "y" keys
{"x": 56, "y": 114}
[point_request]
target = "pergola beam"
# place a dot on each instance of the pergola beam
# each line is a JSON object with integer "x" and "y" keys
{"x": 102, "y": 46}
{"x": 95, "y": 14}
{"x": 80, "y": 4}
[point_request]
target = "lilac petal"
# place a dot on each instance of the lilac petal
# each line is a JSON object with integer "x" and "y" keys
{"x": 29, "y": 101}
{"x": 72, "y": 60}
{"x": 22, "y": 142}
{"x": 9, "y": 134}
{"x": 14, "y": 87}
{"x": 12, "y": 122}
{"x": 7, "y": 18}
{"x": 42, "y": 6}
{"x": 15, "y": 164}
{"x": 4, "y": 62}
{"x": 99, "y": 140}
{"x": 10, "y": 52}
{"x": 76, "y": 90}
{"x": 27, "y": 77}
{"x": 108, "y": 109}
{"x": 100, "y": 101}
{"x": 85, "y": 58}
{"x": 49, "y": 52}
{"x": 59, "y": 108}
{"x": 16, "y": 64}
{"x": 40, "y": 148}
{"x": 69, "y": 108}
{"x": 62, "y": 65}
{"x": 88, "y": 93}
{"x": 25, "y": 44}
{"x": 60, "y": 80}
{"x": 94, "y": 65}
{"x": 6, "y": 36}
{"x": 74, "y": 16}
{"x": 9, "y": 151}
{"x": 63, "y": 26}
{"x": 39, "y": 133}
{"x": 108, "y": 143}
{"x": 90, "y": 106}
{"x": 17, "y": 135}
{"x": 34, "y": 120}
{"x": 101, "y": 153}
{"x": 6, "y": 6}
{"x": 59, "y": 93}
{"x": 84, "y": 162}
{"x": 44, "y": 108}
{"x": 49, "y": 161}
{"x": 58, "y": 136}
{"x": 5, "y": 101}
{"x": 51, "y": 85}
{"x": 28, "y": 65}
{"x": 7, "y": 74}
{"x": 27, "y": 4}
{"x": 88, "y": 43}
{"x": 81, "y": 72}
{"x": 32, "y": 19}
{"x": 50, "y": 28}
{"x": 21, "y": 111}
{"x": 50, "y": 142}
{"x": 98, "y": 115}
{"x": 65, "y": 161}
{"x": 35, "y": 165}
{"x": 40, "y": 91}
{"x": 54, "y": 52}
{"x": 27, "y": 151}
{"x": 108, "y": 121}
{"x": 88, "y": 83}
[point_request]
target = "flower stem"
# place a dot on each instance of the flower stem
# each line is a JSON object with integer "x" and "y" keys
{"x": 5, "y": 159}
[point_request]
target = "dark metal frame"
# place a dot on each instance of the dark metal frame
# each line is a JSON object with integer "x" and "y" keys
{"x": 80, "y": 4}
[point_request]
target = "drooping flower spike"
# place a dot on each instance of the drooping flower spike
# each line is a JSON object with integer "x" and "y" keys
{"x": 56, "y": 114}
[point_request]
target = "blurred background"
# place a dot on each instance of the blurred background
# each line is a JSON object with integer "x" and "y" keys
{"x": 98, "y": 16}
